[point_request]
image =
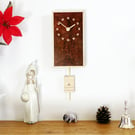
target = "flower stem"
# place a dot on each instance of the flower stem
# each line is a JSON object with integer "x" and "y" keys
{"x": 2, "y": 43}
{"x": 10, "y": 4}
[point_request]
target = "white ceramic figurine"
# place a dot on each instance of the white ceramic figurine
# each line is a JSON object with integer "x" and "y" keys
{"x": 30, "y": 95}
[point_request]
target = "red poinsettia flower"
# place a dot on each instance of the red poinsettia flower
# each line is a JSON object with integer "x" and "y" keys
{"x": 7, "y": 25}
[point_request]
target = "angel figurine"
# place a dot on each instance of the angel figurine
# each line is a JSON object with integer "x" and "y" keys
{"x": 30, "y": 95}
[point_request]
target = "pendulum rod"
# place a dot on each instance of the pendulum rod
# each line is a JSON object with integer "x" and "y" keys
{"x": 69, "y": 93}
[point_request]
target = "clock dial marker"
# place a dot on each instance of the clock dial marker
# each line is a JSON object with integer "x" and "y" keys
{"x": 62, "y": 38}
{"x": 77, "y": 34}
{"x": 77, "y": 23}
{"x": 68, "y": 18}
{"x": 73, "y": 38}
{"x": 62, "y": 19}
{"x": 79, "y": 28}
{"x": 73, "y": 19}
{"x": 57, "y": 29}
{"x": 58, "y": 34}
{"x": 68, "y": 39}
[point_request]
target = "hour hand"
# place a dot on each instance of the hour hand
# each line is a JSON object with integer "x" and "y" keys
{"x": 72, "y": 26}
{"x": 60, "y": 23}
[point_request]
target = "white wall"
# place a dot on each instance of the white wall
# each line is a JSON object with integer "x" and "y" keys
{"x": 108, "y": 78}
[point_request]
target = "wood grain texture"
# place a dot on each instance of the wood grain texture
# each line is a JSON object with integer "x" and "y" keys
{"x": 62, "y": 128}
{"x": 68, "y": 45}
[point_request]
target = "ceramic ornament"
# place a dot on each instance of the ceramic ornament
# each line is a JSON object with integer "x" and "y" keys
{"x": 70, "y": 117}
{"x": 30, "y": 95}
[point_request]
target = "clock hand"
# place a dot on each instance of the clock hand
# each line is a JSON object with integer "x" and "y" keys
{"x": 69, "y": 28}
{"x": 62, "y": 25}
{"x": 72, "y": 26}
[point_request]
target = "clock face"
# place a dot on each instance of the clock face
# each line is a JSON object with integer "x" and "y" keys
{"x": 68, "y": 28}
{"x": 68, "y": 38}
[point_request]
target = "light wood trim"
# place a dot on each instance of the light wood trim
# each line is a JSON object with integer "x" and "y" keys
{"x": 61, "y": 128}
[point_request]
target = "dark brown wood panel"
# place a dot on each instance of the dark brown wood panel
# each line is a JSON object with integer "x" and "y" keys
{"x": 68, "y": 38}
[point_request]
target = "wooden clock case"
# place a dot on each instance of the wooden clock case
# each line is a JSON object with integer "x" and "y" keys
{"x": 68, "y": 38}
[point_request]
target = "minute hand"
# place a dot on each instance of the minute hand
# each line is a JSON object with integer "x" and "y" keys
{"x": 69, "y": 28}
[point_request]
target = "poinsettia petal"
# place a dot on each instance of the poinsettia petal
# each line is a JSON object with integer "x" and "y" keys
{"x": 1, "y": 29}
{"x": 15, "y": 20}
{"x": 7, "y": 36}
{"x": 8, "y": 14}
{"x": 15, "y": 31}
{"x": 1, "y": 16}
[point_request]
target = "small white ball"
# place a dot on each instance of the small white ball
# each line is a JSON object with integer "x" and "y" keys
{"x": 25, "y": 97}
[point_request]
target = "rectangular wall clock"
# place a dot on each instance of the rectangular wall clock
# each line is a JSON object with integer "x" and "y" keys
{"x": 68, "y": 38}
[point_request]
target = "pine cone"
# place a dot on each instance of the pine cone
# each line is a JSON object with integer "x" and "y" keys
{"x": 103, "y": 115}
